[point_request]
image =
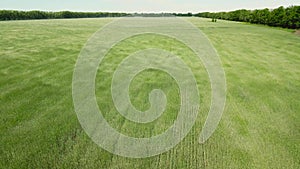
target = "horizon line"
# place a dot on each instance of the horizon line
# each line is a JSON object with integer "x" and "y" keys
{"x": 145, "y": 12}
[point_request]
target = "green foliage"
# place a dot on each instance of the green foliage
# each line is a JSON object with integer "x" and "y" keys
{"x": 280, "y": 17}
{"x": 153, "y": 15}
{"x": 183, "y": 14}
{"x": 26, "y": 15}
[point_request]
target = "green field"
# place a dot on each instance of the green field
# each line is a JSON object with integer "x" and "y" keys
{"x": 260, "y": 127}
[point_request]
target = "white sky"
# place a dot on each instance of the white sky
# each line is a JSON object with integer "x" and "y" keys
{"x": 144, "y": 5}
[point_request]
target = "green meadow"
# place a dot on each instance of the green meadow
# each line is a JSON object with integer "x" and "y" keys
{"x": 260, "y": 126}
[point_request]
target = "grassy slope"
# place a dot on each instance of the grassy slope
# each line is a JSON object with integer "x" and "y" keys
{"x": 260, "y": 127}
{"x": 262, "y": 68}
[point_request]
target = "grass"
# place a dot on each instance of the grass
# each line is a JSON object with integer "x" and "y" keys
{"x": 260, "y": 127}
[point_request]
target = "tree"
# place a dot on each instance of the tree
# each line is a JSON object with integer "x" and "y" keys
{"x": 281, "y": 17}
{"x": 277, "y": 17}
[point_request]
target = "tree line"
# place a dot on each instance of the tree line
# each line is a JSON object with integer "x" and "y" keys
{"x": 151, "y": 15}
{"x": 26, "y": 15}
{"x": 280, "y": 17}
{"x": 29, "y": 15}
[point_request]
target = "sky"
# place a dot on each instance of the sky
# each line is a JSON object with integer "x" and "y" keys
{"x": 156, "y": 6}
